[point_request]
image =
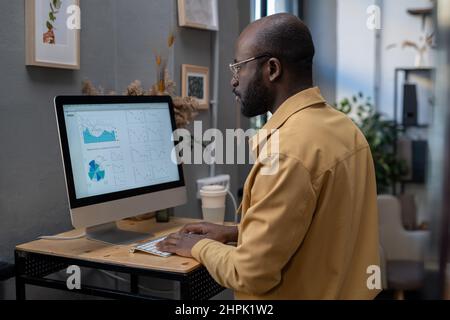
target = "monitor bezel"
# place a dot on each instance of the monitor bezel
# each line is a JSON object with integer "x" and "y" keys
{"x": 61, "y": 101}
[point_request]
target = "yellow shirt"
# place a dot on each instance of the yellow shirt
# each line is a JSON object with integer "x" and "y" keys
{"x": 310, "y": 231}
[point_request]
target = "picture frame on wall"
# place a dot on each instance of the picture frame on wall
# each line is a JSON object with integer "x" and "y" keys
{"x": 49, "y": 40}
{"x": 199, "y": 14}
{"x": 195, "y": 83}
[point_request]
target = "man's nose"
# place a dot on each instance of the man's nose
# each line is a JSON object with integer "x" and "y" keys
{"x": 234, "y": 82}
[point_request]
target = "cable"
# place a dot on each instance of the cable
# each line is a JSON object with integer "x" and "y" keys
{"x": 234, "y": 204}
{"x": 63, "y": 238}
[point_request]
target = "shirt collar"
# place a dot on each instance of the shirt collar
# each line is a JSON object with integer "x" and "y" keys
{"x": 292, "y": 105}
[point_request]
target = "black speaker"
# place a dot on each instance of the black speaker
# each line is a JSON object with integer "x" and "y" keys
{"x": 419, "y": 160}
{"x": 409, "y": 104}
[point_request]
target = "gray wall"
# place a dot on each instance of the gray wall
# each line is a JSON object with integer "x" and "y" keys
{"x": 196, "y": 47}
{"x": 117, "y": 39}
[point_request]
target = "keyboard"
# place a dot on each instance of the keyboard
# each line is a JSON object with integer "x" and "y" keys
{"x": 150, "y": 247}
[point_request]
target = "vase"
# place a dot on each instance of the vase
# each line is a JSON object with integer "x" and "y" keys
{"x": 163, "y": 216}
{"x": 419, "y": 61}
{"x": 161, "y": 77}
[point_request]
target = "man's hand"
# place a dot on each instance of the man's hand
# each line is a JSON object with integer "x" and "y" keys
{"x": 215, "y": 232}
{"x": 180, "y": 243}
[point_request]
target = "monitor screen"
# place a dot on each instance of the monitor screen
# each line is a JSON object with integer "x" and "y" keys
{"x": 117, "y": 147}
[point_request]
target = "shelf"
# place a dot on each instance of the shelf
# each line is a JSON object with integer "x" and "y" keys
{"x": 424, "y": 126}
{"x": 419, "y": 126}
{"x": 421, "y": 12}
{"x": 414, "y": 69}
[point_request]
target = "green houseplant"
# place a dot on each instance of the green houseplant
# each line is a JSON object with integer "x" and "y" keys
{"x": 381, "y": 134}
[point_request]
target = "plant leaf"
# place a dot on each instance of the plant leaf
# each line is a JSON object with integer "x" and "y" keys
{"x": 57, "y": 4}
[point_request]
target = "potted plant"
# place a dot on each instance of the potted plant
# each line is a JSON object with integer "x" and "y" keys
{"x": 381, "y": 134}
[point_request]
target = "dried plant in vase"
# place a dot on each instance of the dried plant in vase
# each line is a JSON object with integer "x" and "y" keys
{"x": 88, "y": 89}
{"x": 135, "y": 89}
{"x": 185, "y": 109}
{"x": 161, "y": 60}
{"x": 421, "y": 47}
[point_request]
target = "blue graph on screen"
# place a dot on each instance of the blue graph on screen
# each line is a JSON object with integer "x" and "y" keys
{"x": 95, "y": 172}
{"x": 105, "y": 136}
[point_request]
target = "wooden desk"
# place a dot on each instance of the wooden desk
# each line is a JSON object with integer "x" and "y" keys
{"x": 36, "y": 260}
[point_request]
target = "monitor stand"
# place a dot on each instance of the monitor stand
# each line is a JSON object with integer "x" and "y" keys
{"x": 109, "y": 233}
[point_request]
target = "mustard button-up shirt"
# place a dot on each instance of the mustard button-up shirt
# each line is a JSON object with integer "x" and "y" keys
{"x": 310, "y": 230}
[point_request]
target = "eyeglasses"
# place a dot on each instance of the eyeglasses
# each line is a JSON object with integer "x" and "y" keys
{"x": 235, "y": 67}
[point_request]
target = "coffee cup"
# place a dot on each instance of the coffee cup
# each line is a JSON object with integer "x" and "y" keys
{"x": 213, "y": 203}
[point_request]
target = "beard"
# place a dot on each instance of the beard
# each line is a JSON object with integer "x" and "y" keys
{"x": 255, "y": 100}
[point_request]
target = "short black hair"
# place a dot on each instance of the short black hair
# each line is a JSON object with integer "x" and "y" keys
{"x": 286, "y": 37}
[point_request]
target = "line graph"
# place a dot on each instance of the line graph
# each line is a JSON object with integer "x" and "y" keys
{"x": 142, "y": 155}
{"x": 135, "y": 116}
{"x": 142, "y": 174}
{"x": 96, "y": 130}
{"x": 138, "y": 134}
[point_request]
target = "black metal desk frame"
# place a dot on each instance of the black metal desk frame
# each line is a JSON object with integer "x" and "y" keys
{"x": 33, "y": 268}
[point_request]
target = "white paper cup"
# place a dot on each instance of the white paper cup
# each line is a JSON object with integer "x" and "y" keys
{"x": 213, "y": 203}
{"x": 214, "y": 215}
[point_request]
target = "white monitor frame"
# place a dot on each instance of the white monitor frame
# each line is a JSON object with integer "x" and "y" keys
{"x": 107, "y": 208}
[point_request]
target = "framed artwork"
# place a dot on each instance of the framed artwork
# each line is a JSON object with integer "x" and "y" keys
{"x": 49, "y": 40}
{"x": 200, "y": 14}
{"x": 195, "y": 83}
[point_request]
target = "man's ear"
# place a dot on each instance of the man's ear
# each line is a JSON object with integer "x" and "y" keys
{"x": 275, "y": 69}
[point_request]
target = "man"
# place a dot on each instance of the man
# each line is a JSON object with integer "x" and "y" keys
{"x": 310, "y": 230}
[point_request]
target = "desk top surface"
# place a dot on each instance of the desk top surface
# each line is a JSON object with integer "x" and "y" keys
{"x": 95, "y": 251}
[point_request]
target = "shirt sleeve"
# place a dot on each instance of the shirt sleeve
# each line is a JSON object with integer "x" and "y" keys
{"x": 280, "y": 212}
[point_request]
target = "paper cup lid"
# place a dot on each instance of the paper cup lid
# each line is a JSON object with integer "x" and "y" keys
{"x": 213, "y": 190}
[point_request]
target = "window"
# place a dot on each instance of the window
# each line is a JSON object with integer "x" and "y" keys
{"x": 262, "y": 8}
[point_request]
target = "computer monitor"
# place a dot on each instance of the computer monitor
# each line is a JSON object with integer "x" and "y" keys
{"x": 117, "y": 157}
